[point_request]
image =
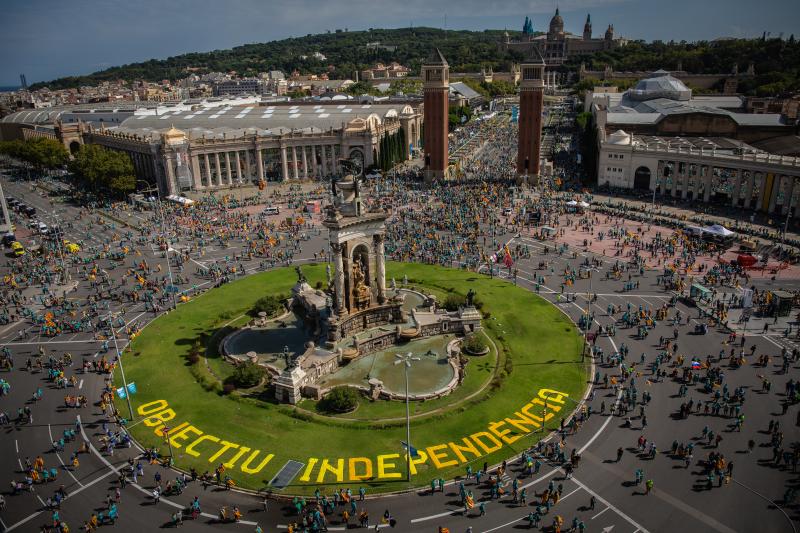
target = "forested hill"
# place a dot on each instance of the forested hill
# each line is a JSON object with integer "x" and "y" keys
{"x": 777, "y": 62}
{"x": 346, "y": 50}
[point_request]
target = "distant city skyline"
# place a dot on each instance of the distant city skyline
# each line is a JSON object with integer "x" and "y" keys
{"x": 46, "y": 39}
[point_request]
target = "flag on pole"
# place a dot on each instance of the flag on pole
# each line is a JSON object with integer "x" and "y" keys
{"x": 414, "y": 453}
{"x": 122, "y": 393}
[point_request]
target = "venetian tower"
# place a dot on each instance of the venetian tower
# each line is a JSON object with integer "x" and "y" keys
{"x": 436, "y": 78}
{"x": 531, "y": 98}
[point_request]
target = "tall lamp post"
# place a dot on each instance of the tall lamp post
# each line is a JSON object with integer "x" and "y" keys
{"x": 589, "y": 271}
{"x": 121, "y": 369}
{"x": 406, "y": 361}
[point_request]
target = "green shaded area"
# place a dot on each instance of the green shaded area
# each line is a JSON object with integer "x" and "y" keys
{"x": 537, "y": 347}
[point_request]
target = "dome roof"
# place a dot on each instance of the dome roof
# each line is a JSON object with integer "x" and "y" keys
{"x": 619, "y": 137}
{"x": 556, "y": 23}
{"x": 660, "y": 86}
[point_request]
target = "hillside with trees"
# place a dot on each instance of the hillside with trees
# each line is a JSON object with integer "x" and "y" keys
{"x": 777, "y": 61}
{"x": 345, "y": 52}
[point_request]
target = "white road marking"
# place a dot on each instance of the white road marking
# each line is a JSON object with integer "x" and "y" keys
{"x": 80, "y": 384}
{"x": 601, "y": 512}
{"x": 606, "y": 502}
{"x": 49, "y": 430}
{"x": 16, "y": 445}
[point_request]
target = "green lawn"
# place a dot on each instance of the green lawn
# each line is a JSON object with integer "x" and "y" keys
{"x": 538, "y": 348}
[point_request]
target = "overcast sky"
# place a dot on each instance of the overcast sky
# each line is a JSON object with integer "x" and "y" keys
{"x": 46, "y": 39}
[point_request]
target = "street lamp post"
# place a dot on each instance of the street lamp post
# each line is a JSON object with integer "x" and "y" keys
{"x": 589, "y": 271}
{"x": 121, "y": 368}
{"x": 406, "y": 361}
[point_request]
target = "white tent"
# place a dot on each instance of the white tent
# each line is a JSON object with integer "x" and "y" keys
{"x": 716, "y": 229}
{"x": 583, "y": 204}
{"x": 572, "y": 203}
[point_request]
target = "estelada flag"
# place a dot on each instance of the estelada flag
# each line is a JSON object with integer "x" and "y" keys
{"x": 507, "y": 261}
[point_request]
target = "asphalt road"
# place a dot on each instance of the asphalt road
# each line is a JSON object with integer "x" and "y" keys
{"x": 680, "y": 500}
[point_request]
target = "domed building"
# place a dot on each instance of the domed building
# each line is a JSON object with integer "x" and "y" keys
{"x": 556, "y": 45}
{"x": 658, "y": 136}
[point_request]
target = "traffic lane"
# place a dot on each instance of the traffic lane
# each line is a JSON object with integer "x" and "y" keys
{"x": 633, "y": 341}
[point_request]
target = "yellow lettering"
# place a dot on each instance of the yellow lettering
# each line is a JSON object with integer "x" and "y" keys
{"x": 152, "y": 407}
{"x": 384, "y": 465}
{"x": 352, "y": 465}
{"x": 523, "y": 423}
{"x": 503, "y": 434}
{"x": 163, "y": 431}
{"x": 225, "y": 447}
{"x": 436, "y": 456}
{"x": 422, "y": 457}
{"x": 183, "y": 434}
{"x": 159, "y": 418}
{"x": 246, "y": 465}
{"x": 201, "y": 438}
{"x": 551, "y": 395}
{"x": 468, "y": 447}
{"x": 489, "y": 436}
{"x": 307, "y": 473}
{"x": 243, "y": 450}
{"x": 338, "y": 471}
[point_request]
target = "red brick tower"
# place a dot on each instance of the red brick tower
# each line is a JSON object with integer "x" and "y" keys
{"x": 436, "y": 77}
{"x": 530, "y": 117}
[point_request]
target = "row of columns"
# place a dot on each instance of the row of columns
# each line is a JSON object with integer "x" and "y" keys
{"x": 743, "y": 182}
{"x": 294, "y": 165}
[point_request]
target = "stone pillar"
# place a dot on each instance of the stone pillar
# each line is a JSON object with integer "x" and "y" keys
{"x": 314, "y": 160}
{"x": 323, "y": 162}
{"x": 209, "y": 183}
{"x": 748, "y": 191}
{"x": 737, "y": 188}
{"x": 380, "y": 264}
{"x": 787, "y": 198}
{"x": 238, "y": 167}
{"x": 708, "y": 182}
{"x": 198, "y": 185}
{"x": 294, "y": 162}
{"x": 219, "y": 169}
{"x": 260, "y": 163}
{"x": 776, "y": 185}
{"x": 284, "y": 164}
{"x": 247, "y": 165}
{"x": 228, "y": 167}
{"x": 305, "y": 163}
{"x": 338, "y": 282}
{"x": 172, "y": 186}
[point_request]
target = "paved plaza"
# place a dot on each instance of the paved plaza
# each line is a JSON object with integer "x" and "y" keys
{"x": 708, "y": 421}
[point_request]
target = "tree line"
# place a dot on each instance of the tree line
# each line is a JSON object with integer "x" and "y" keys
{"x": 392, "y": 149}
{"x": 94, "y": 167}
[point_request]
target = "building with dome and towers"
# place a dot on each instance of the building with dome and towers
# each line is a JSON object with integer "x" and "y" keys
{"x": 556, "y": 45}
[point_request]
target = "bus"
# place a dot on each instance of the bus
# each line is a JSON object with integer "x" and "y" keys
{"x": 271, "y": 210}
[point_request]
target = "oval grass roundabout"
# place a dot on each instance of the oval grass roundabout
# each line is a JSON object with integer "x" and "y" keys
{"x": 533, "y": 371}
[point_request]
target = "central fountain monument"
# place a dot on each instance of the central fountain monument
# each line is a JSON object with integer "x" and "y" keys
{"x": 359, "y": 282}
{"x": 355, "y": 317}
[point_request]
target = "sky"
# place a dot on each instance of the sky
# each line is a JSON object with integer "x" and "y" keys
{"x": 47, "y": 39}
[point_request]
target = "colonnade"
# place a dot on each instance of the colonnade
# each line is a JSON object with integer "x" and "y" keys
{"x": 224, "y": 168}
{"x": 742, "y": 187}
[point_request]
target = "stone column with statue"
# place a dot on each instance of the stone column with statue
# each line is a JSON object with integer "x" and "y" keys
{"x": 380, "y": 263}
{"x": 338, "y": 268}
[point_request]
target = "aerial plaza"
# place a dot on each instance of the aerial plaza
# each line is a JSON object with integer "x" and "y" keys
{"x": 468, "y": 410}
{"x": 496, "y": 281}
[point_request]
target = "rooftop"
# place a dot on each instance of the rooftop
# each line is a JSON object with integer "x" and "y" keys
{"x": 267, "y": 120}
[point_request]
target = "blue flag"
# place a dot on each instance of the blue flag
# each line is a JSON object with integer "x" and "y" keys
{"x": 414, "y": 453}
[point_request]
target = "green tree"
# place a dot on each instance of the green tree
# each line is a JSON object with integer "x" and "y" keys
{"x": 271, "y": 304}
{"x": 246, "y": 375}
{"x": 339, "y": 400}
{"x": 103, "y": 169}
